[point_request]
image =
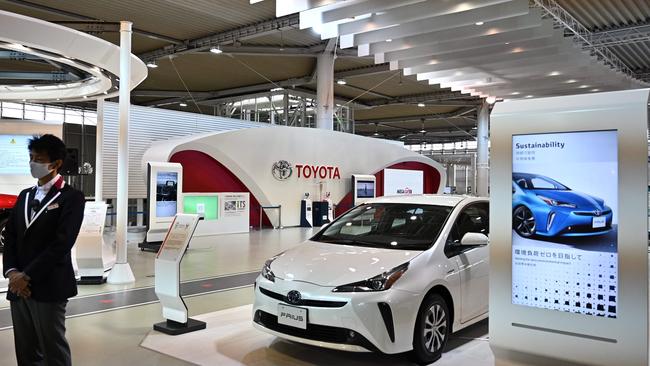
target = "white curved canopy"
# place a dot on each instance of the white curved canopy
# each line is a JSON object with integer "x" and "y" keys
{"x": 96, "y": 57}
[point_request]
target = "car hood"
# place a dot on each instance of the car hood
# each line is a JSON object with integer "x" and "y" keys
{"x": 582, "y": 200}
{"x": 333, "y": 265}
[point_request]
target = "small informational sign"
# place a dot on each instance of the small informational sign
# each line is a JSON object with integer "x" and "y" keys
{"x": 235, "y": 204}
{"x": 178, "y": 237}
{"x": 94, "y": 218}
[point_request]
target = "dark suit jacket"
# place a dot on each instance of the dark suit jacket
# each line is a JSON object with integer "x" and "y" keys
{"x": 42, "y": 249}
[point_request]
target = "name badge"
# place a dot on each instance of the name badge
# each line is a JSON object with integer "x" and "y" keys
{"x": 53, "y": 206}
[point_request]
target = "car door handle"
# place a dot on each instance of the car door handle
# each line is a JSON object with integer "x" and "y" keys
{"x": 451, "y": 271}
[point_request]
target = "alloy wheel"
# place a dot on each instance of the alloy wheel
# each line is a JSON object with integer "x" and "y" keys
{"x": 435, "y": 328}
{"x": 524, "y": 222}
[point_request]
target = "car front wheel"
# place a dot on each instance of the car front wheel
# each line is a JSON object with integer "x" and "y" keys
{"x": 432, "y": 329}
{"x": 523, "y": 221}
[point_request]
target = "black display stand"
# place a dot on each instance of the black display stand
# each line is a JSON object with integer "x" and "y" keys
{"x": 150, "y": 246}
{"x": 91, "y": 280}
{"x": 175, "y": 328}
{"x": 320, "y": 211}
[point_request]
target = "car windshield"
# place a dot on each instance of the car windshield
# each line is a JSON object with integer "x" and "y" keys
{"x": 538, "y": 182}
{"x": 388, "y": 225}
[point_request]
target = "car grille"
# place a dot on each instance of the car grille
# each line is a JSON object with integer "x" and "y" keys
{"x": 314, "y": 332}
{"x": 304, "y": 302}
{"x": 591, "y": 213}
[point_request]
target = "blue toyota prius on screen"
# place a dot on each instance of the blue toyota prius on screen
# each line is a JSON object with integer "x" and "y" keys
{"x": 542, "y": 206}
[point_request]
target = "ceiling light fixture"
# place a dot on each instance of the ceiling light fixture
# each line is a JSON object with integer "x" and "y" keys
{"x": 554, "y": 73}
{"x": 595, "y": 90}
{"x": 528, "y": 96}
{"x": 389, "y": 40}
{"x": 152, "y": 64}
{"x": 216, "y": 50}
{"x": 515, "y": 93}
{"x": 479, "y": 23}
{"x": 341, "y": 82}
{"x": 583, "y": 86}
{"x": 491, "y": 100}
{"x": 182, "y": 104}
{"x": 571, "y": 81}
{"x": 421, "y": 105}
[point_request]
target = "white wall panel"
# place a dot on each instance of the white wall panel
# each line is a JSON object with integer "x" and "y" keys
{"x": 146, "y": 126}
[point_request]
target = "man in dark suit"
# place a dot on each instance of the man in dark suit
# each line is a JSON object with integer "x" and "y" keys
{"x": 38, "y": 238}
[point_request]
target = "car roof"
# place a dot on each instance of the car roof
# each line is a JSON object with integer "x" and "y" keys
{"x": 427, "y": 199}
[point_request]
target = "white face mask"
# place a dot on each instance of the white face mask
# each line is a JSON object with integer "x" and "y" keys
{"x": 39, "y": 170}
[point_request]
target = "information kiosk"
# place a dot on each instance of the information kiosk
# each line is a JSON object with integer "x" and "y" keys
{"x": 89, "y": 244}
{"x": 164, "y": 195}
{"x": 168, "y": 281}
{"x": 568, "y": 230}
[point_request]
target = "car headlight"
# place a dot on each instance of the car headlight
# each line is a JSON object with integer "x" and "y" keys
{"x": 266, "y": 269}
{"x": 380, "y": 282}
{"x": 552, "y": 202}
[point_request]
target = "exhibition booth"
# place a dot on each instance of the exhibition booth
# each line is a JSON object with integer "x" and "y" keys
{"x": 287, "y": 172}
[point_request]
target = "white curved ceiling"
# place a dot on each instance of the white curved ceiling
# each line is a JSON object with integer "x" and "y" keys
{"x": 497, "y": 48}
{"x": 95, "y": 57}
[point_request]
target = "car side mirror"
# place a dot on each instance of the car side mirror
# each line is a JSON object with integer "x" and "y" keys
{"x": 474, "y": 239}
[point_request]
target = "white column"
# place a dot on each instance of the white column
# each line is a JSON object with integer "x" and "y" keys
{"x": 325, "y": 91}
{"x": 482, "y": 159}
{"x": 121, "y": 272}
{"x": 99, "y": 149}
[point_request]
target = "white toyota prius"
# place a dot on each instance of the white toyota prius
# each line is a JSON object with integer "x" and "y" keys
{"x": 395, "y": 274}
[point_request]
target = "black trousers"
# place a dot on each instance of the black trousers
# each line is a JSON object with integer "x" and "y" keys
{"x": 39, "y": 333}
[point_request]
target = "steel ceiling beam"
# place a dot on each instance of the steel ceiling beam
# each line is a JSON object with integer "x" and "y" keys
{"x": 620, "y": 36}
{"x": 582, "y": 35}
{"x": 426, "y": 117}
{"x": 226, "y": 38}
{"x": 40, "y": 76}
{"x": 83, "y": 18}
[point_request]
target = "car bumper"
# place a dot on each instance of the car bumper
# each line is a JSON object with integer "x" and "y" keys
{"x": 571, "y": 223}
{"x": 343, "y": 321}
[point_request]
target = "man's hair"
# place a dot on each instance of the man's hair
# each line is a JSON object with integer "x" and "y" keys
{"x": 48, "y": 144}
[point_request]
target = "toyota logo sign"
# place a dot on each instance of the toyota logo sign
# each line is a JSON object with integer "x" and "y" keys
{"x": 294, "y": 297}
{"x": 282, "y": 170}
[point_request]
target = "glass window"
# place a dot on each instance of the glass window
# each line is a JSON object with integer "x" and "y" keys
{"x": 12, "y": 110}
{"x": 388, "y": 225}
{"x": 473, "y": 219}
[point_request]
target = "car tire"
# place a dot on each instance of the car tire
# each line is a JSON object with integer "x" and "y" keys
{"x": 432, "y": 330}
{"x": 523, "y": 221}
{"x": 3, "y": 223}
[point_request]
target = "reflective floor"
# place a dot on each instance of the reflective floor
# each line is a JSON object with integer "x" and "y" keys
{"x": 111, "y": 324}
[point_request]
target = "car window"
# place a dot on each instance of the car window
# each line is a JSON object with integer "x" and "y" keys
{"x": 540, "y": 183}
{"x": 474, "y": 218}
{"x": 388, "y": 225}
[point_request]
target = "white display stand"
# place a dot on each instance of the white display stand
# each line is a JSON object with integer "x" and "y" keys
{"x": 165, "y": 199}
{"x": 565, "y": 299}
{"x": 89, "y": 245}
{"x": 168, "y": 281}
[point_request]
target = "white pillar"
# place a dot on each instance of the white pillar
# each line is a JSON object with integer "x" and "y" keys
{"x": 482, "y": 159}
{"x": 99, "y": 149}
{"x": 325, "y": 91}
{"x": 121, "y": 272}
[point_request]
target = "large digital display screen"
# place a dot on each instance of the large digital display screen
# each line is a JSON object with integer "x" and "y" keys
{"x": 166, "y": 194}
{"x": 403, "y": 182}
{"x": 205, "y": 206}
{"x": 565, "y": 222}
{"x": 365, "y": 189}
{"x": 14, "y": 156}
